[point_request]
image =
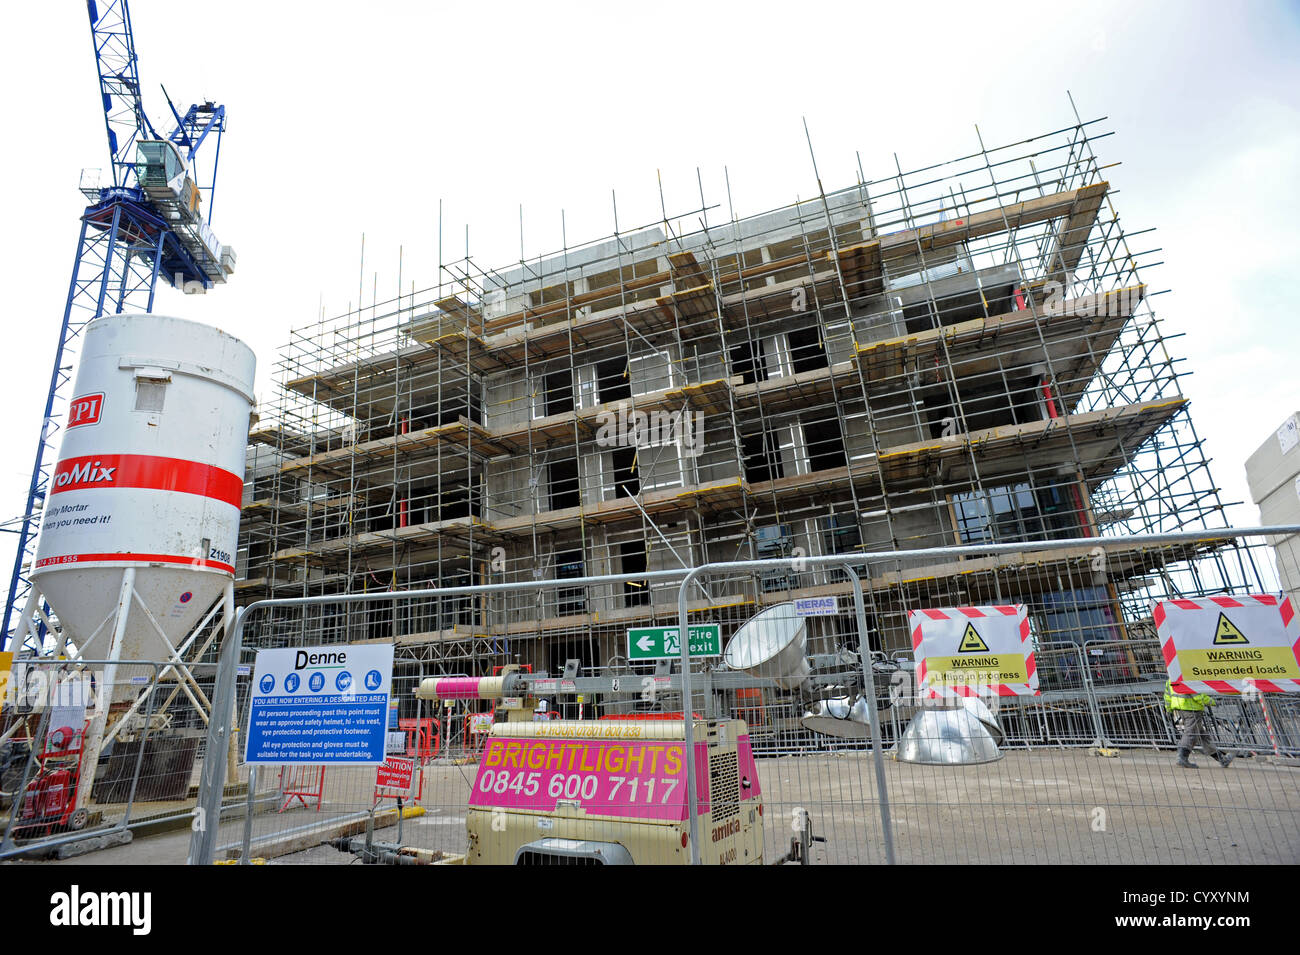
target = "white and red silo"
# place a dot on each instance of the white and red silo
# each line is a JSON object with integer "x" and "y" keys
{"x": 149, "y": 478}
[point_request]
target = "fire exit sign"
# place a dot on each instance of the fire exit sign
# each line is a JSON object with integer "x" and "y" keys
{"x": 664, "y": 643}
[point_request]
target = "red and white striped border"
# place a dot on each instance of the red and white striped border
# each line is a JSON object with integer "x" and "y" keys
{"x": 915, "y": 619}
{"x": 64, "y": 560}
{"x": 147, "y": 472}
{"x": 1187, "y": 687}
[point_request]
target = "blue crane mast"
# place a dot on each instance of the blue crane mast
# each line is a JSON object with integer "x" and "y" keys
{"x": 147, "y": 222}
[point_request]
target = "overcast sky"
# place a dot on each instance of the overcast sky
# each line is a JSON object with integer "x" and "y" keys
{"x": 348, "y": 118}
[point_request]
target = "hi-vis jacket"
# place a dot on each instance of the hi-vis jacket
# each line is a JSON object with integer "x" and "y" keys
{"x": 1180, "y": 701}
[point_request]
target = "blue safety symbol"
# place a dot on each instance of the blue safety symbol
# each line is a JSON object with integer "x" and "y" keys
{"x": 373, "y": 679}
{"x": 316, "y": 681}
{"x": 291, "y": 683}
{"x": 267, "y": 683}
{"x": 343, "y": 681}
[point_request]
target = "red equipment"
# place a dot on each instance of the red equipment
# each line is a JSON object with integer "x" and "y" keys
{"x": 50, "y": 800}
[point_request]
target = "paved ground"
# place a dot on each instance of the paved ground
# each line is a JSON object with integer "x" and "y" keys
{"x": 1045, "y": 806}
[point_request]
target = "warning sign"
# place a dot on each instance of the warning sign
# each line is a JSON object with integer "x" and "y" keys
{"x": 394, "y": 778}
{"x": 971, "y": 642}
{"x": 1230, "y": 644}
{"x": 965, "y": 651}
{"x": 1226, "y": 632}
{"x": 395, "y": 773}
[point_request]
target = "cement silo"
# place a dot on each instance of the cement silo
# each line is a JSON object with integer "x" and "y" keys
{"x": 149, "y": 476}
{"x": 140, "y": 526}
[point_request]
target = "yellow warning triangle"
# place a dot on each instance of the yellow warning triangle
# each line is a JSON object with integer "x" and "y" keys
{"x": 1226, "y": 631}
{"x": 972, "y": 642}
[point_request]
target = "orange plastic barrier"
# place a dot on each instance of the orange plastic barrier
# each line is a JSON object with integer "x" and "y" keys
{"x": 297, "y": 782}
{"x": 423, "y": 737}
{"x": 749, "y": 706}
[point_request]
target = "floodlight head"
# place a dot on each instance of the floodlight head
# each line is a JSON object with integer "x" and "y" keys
{"x": 977, "y": 708}
{"x": 947, "y": 737}
{"x": 772, "y": 644}
{"x": 844, "y": 717}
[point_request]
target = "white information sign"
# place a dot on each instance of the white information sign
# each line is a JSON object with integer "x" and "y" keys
{"x": 1289, "y": 434}
{"x": 816, "y": 606}
{"x": 320, "y": 705}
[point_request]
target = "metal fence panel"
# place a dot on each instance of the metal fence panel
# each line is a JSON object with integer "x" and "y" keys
{"x": 151, "y": 723}
{"x": 1083, "y": 772}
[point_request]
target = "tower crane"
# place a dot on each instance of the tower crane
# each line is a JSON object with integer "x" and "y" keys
{"x": 150, "y": 217}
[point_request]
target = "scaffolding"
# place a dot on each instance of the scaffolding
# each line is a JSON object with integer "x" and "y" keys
{"x": 961, "y": 354}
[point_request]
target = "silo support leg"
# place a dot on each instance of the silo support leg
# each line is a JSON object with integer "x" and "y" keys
{"x": 93, "y": 741}
{"x": 228, "y": 627}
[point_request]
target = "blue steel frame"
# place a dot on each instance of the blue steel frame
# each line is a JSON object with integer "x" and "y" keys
{"x": 120, "y": 251}
{"x": 119, "y": 86}
{"x": 190, "y": 132}
{"x": 123, "y": 248}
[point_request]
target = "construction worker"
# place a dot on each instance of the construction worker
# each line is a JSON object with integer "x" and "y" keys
{"x": 1189, "y": 711}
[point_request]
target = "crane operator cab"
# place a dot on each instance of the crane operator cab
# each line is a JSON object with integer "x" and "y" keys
{"x": 164, "y": 178}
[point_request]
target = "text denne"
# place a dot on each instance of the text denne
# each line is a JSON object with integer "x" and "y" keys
{"x": 305, "y": 659}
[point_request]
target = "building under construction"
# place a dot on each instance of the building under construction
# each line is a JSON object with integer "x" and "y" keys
{"x": 962, "y": 354}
